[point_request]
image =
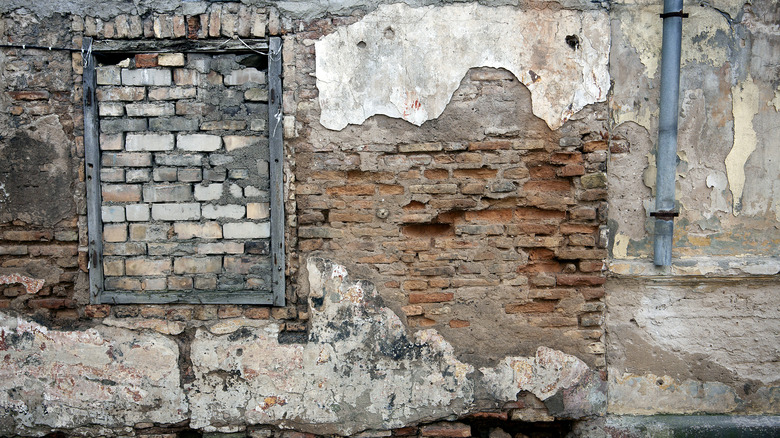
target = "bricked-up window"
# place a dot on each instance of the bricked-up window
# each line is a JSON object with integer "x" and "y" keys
{"x": 183, "y": 145}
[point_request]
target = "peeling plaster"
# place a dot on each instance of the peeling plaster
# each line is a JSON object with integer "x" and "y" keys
{"x": 407, "y": 62}
{"x": 31, "y": 285}
{"x": 745, "y": 107}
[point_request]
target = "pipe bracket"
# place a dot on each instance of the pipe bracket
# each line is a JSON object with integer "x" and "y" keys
{"x": 680, "y": 14}
{"x": 665, "y": 214}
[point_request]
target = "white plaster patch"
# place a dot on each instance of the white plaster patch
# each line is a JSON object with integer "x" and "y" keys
{"x": 31, "y": 285}
{"x": 745, "y": 107}
{"x": 407, "y": 62}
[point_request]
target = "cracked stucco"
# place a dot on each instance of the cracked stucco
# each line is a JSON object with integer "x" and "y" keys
{"x": 407, "y": 62}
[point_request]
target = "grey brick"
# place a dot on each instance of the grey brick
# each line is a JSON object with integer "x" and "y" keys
{"x": 113, "y": 126}
{"x": 217, "y": 175}
{"x": 146, "y": 76}
{"x": 190, "y": 175}
{"x": 173, "y": 124}
{"x": 167, "y": 193}
{"x": 165, "y": 174}
{"x": 111, "y": 109}
{"x": 112, "y": 174}
{"x": 112, "y": 213}
{"x": 220, "y": 159}
{"x": 149, "y": 109}
{"x": 172, "y": 93}
{"x": 111, "y": 142}
{"x": 108, "y": 75}
{"x": 176, "y": 212}
{"x": 138, "y": 175}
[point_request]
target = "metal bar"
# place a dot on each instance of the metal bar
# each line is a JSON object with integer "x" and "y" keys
{"x": 188, "y": 297}
{"x": 92, "y": 163}
{"x": 276, "y": 165}
{"x": 666, "y": 156}
{"x": 186, "y": 46}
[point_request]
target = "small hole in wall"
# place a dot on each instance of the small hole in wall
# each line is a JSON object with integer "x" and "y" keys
{"x": 389, "y": 33}
{"x": 112, "y": 58}
{"x": 573, "y": 41}
{"x": 362, "y": 44}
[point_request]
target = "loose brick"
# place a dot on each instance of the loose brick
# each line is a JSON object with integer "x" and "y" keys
{"x": 108, "y": 75}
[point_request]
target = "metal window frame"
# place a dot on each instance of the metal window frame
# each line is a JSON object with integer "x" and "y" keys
{"x": 97, "y": 293}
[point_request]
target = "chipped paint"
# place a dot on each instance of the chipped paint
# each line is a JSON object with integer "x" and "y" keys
{"x": 745, "y": 107}
{"x": 31, "y": 285}
{"x": 620, "y": 246}
{"x": 407, "y": 62}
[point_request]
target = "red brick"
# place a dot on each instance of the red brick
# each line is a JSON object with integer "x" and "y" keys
{"x": 414, "y": 205}
{"x": 52, "y": 303}
{"x": 352, "y": 190}
{"x": 390, "y": 189}
{"x": 436, "y": 173}
{"x": 499, "y": 216}
{"x": 481, "y": 173}
{"x": 552, "y": 320}
{"x": 459, "y": 323}
{"x": 502, "y": 416}
{"x": 97, "y": 310}
{"x": 578, "y": 228}
{"x": 551, "y": 294}
{"x": 591, "y": 266}
{"x": 420, "y": 321}
{"x": 405, "y": 431}
{"x": 530, "y": 228}
{"x": 326, "y": 175}
{"x": 229, "y": 311}
{"x": 28, "y": 95}
{"x": 571, "y": 170}
{"x": 592, "y": 293}
{"x": 593, "y": 195}
{"x": 547, "y": 266}
{"x": 537, "y": 213}
{"x": 379, "y": 258}
{"x": 591, "y": 146}
{"x": 490, "y": 145}
{"x": 415, "y": 285}
{"x": 145, "y": 60}
{"x": 566, "y": 158}
{"x": 542, "y": 172}
{"x": 193, "y": 27}
{"x": 350, "y": 217}
{"x": 548, "y": 186}
{"x": 428, "y": 230}
{"x": 436, "y": 297}
{"x": 26, "y": 235}
{"x": 580, "y": 280}
{"x": 257, "y": 313}
{"x": 448, "y": 430}
{"x": 532, "y": 307}
{"x": 581, "y": 253}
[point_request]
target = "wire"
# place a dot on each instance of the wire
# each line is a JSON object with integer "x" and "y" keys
{"x": 32, "y": 46}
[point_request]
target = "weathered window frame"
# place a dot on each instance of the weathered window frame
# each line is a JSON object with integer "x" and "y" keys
{"x": 98, "y": 294}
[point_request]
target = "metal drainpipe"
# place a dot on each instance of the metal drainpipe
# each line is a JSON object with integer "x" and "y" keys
{"x": 666, "y": 157}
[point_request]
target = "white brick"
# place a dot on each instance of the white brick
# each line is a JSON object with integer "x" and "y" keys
{"x": 254, "y": 192}
{"x": 146, "y": 76}
{"x": 112, "y": 214}
{"x": 241, "y": 77}
{"x": 221, "y": 248}
{"x": 150, "y": 109}
{"x": 233, "y": 142}
{"x": 149, "y": 142}
{"x": 236, "y": 191}
{"x": 176, "y": 212}
{"x": 246, "y": 230}
{"x": 210, "y": 192}
{"x": 111, "y": 109}
{"x": 198, "y": 142}
{"x": 137, "y": 212}
{"x": 257, "y": 210}
{"x": 170, "y": 59}
{"x": 191, "y": 230}
{"x": 223, "y": 211}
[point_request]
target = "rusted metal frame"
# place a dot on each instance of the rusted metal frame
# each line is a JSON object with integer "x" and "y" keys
{"x": 276, "y": 169}
{"x": 92, "y": 172}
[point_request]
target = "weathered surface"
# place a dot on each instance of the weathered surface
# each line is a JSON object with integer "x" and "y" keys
{"x": 360, "y": 368}
{"x": 102, "y": 376}
{"x": 407, "y": 62}
{"x": 681, "y": 349}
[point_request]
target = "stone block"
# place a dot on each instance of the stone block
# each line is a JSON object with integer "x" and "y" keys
{"x": 246, "y": 230}
{"x": 176, "y": 212}
{"x": 115, "y": 232}
{"x": 112, "y": 213}
{"x": 150, "y": 109}
{"x": 198, "y": 265}
{"x": 147, "y": 266}
{"x": 198, "y": 142}
{"x": 113, "y": 126}
{"x": 173, "y": 124}
{"x": 211, "y": 211}
{"x": 126, "y": 159}
{"x": 137, "y": 212}
{"x": 148, "y": 142}
{"x": 245, "y": 76}
{"x": 233, "y": 142}
{"x": 209, "y": 192}
{"x": 167, "y": 192}
{"x": 190, "y": 230}
{"x": 146, "y": 77}
{"x": 121, "y": 192}
{"x": 257, "y": 210}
